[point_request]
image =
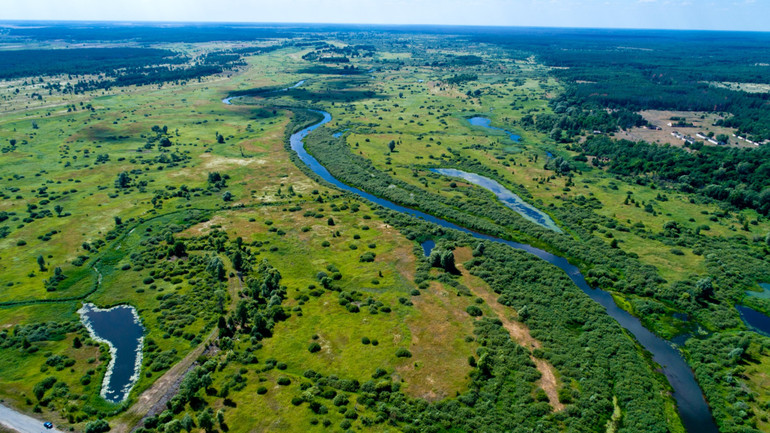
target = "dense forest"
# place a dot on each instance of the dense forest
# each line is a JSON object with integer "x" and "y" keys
{"x": 663, "y": 70}
{"x": 104, "y": 68}
{"x": 738, "y": 176}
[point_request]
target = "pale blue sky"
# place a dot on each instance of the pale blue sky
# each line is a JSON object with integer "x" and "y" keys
{"x": 668, "y": 14}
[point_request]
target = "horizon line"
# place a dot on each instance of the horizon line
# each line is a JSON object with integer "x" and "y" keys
{"x": 413, "y": 25}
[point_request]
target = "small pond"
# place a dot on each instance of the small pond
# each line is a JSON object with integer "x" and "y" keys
{"x": 428, "y": 246}
{"x": 764, "y": 294}
{"x": 756, "y": 321}
{"x": 487, "y": 123}
{"x": 121, "y": 329}
{"x": 508, "y": 198}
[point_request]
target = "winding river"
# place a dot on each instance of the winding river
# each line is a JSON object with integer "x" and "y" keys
{"x": 693, "y": 409}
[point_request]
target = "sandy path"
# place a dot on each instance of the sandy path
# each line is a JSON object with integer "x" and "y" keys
{"x": 153, "y": 400}
{"x": 518, "y": 331}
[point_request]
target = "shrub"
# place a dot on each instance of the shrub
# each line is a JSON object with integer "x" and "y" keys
{"x": 98, "y": 426}
{"x": 474, "y": 311}
{"x": 314, "y": 347}
{"x": 365, "y": 340}
{"x": 367, "y": 257}
{"x": 340, "y": 400}
{"x": 283, "y": 381}
{"x": 261, "y": 390}
{"x": 403, "y": 353}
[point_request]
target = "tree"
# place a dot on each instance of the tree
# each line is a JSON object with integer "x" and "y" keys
{"x": 58, "y": 209}
{"x": 227, "y": 196}
{"x": 217, "y": 180}
{"x": 178, "y": 249}
{"x": 123, "y": 180}
{"x": 41, "y": 263}
{"x": 444, "y": 260}
{"x": 704, "y": 289}
{"x": 474, "y": 311}
{"x": 187, "y": 422}
{"x": 330, "y": 221}
{"x": 206, "y": 420}
{"x": 216, "y": 268}
{"x": 173, "y": 426}
{"x": 392, "y": 145}
{"x": 238, "y": 261}
{"x": 76, "y": 343}
{"x": 723, "y": 138}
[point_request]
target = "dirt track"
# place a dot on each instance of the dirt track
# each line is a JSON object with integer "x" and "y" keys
{"x": 518, "y": 331}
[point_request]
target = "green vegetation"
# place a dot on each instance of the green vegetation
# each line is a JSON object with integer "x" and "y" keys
{"x": 298, "y": 307}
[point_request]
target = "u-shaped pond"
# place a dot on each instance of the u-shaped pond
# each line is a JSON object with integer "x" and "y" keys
{"x": 120, "y": 328}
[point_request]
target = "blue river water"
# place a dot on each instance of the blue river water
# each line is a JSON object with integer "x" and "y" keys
{"x": 692, "y": 406}
{"x": 119, "y": 327}
{"x": 229, "y": 99}
{"x": 487, "y": 123}
{"x": 508, "y": 198}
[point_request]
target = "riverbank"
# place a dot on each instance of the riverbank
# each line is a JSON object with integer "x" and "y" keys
{"x": 692, "y": 406}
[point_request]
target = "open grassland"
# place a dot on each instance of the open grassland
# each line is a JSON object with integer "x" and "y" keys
{"x": 101, "y": 228}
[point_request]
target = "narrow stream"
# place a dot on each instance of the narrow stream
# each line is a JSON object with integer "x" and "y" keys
{"x": 229, "y": 99}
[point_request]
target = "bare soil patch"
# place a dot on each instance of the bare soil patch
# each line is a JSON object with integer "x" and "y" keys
{"x": 702, "y": 123}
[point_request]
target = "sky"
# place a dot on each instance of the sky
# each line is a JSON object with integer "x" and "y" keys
{"x": 751, "y": 15}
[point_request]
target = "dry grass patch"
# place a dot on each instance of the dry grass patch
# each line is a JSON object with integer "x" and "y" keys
{"x": 440, "y": 352}
{"x": 519, "y": 332}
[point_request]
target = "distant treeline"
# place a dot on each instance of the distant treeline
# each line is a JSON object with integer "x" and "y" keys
{"x": 638, "y": 70}
{"x": 82, "y": 61}
{"x": 190, "y": 33}
{"x": 738, "y": 176}
{"x": 115, "y": 67}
